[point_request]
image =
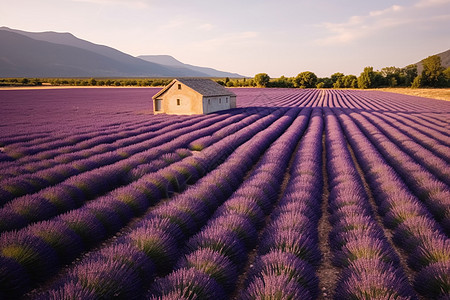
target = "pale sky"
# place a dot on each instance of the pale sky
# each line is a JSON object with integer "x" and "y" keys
{"x": 280, "y": 37}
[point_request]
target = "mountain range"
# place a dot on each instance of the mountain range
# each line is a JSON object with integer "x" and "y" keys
{"x": 445, "y": 61}
{"x": 53, "y": 54}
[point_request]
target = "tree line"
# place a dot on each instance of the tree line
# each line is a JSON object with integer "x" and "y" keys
{"x": 84, "y": 81}
{"x": 433, "y": 75}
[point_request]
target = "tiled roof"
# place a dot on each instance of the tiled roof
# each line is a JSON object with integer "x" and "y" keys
{"x": 206, "y": 87}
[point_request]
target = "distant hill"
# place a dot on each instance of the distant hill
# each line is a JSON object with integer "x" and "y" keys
{"x": 167, "y": 60}
{"x": 52, "y": 54}
{"x": 445, "y": 61}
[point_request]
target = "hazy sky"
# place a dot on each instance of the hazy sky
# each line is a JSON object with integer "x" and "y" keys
{"x": 278, "y": 37}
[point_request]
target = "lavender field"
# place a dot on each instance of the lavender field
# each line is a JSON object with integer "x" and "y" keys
{"x": 295, "y": 194}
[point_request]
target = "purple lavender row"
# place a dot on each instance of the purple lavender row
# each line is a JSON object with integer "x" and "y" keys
{"x": 90, "y": 224}
{"x": 438, "y": 133}
{"x": 79, "y": 143}
{"x": 369, "y": 265}
{"x": 429, "y": 189}
{"x": 53, "y": 201}
{"x": 220, "y": 249}
{"x": 288, "y": 252}
{"x": 437, "y": 166}
{"x": 390, "y": 102}
{"x": 428, "y": 121}
{"x": 30, "y": 183}
{"x": 415, "y": 230}
{"x": 372, "y": 101}
{"x": 47, "y": 203}
{"x": 64, "y": 155}
{"x": 46, "y": 136}
{"x": 418, "y": 137}
{"x": 64, "y": 158}
{"x": 274, "y": 97}
{"x": 160, "y": 235}
{"x": 69, "y": 107}
{"x": 65, "y": 139}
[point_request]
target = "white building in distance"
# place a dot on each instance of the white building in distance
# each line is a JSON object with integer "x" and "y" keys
{"x": 189, "y": 96}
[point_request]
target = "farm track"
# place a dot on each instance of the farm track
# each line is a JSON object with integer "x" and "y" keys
{"x": 308, "y": 194}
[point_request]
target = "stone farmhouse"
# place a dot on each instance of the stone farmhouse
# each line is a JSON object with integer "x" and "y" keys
{"x": 188, "y": 96}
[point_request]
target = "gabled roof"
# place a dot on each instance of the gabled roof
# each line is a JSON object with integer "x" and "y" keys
{"x": 205, "y": 87}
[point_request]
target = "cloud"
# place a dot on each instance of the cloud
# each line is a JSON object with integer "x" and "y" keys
{"x": 393, "y": 8}
{"x": 358, "y": 27}
{"x": 430, "y": 3}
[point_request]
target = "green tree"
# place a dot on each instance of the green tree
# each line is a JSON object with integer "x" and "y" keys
{"x": 350, "y": 81}
{"x": 391, "y": 75}
{"x": 262, "y": 79}
{"x": 306, "y": 80}
{"x": 432, "y": 71}
{"x": 418, "y": 82}
{"x": 339, "y": 83}
{"x": 446, "y": 73}
{"x": 327, "y": 82}
{"x": 408, "y": 74}
{"x": 365, "y": 80}
{"x": 336, "y": 76}
{"x": 283, "y": 82}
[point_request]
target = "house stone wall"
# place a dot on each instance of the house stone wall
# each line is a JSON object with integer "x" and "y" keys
{"x": 190, "y": 102}
{"x": 213, "y": 104}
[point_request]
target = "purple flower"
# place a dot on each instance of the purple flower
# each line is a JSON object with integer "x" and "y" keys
{"x": 157, "y": 244}
{"x": 84, "y": 224}
{"x": 239, "y": 224}
{"x": 413, "y": 231}
{"x": 177, "y": 215}
{"x": 300, "y": 244}
{"x": 108, "y": 278}
{"x": 365, "y": 248}
{"x": 33, "y": 207}
{"x": 434, "y": 249}
{"x": 14, "y": 278}
{"x": 212, "y": 263}
{"x": 221, "y": 240}
{"x": 373, "y": 279}
{"x": 60, "y": 237}
{"x": 130, "y": 255}
{"x": 70, "y": 290}
{"x": 30, "y": 252}
{"x": 10, "y": 219}
{"x": 280, "y": 263}
{"x": 274, "y": 287}
{"x": 242, "y": 206}
{"x": 433, "y": 281}
{"x": 187, "y": 283}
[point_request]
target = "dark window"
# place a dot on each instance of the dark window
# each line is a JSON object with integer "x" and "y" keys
{"x": 178, "y": 101}
{"x": 158, "y": 105}
{"x": 220, "y": 100}
{"x": 179, "y": 86}
{"x": 209, "y": 101}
